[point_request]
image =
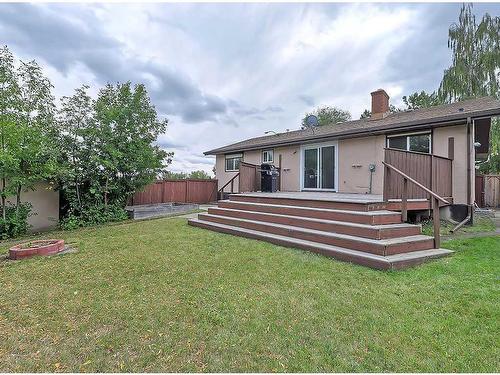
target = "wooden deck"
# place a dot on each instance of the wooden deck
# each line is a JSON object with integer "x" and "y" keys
{"x": 375, "y": 199}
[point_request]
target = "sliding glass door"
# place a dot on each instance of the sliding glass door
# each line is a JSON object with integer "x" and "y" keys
{"x": 319, "y": 172}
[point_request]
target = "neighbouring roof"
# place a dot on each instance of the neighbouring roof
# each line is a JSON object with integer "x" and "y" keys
{"x": 456, "y": 112}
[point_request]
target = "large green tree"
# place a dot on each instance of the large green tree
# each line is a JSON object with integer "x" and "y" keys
{"x": 474, "y": 72}
{"x": 327, "y": 115}
{"x": 109, "y": 149}
{"x": 27, "y": 153}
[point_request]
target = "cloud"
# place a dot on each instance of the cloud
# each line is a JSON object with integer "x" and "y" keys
{"x": 222, "y": 73}
{"x": 309, "y": 100}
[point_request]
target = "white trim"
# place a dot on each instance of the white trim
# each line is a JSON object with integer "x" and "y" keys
{"x": 336, "y": 166}
{"x": 408, "y": 135}
{"x": 267, "y": 150}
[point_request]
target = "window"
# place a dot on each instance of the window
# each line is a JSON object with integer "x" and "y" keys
{"x": 411, "y": 142}
{"x": 267, "y": 156}
{"x": 233, "y": 162}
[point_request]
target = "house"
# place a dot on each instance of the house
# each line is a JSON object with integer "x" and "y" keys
{"x": 391, "y": 162}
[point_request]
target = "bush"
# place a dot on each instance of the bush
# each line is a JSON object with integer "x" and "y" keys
{"x": 16, "y": 222}
{"x": 94, "y": 215}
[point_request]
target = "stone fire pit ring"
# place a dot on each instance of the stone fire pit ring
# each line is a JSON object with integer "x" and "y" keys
{"x": 38, "y": 247}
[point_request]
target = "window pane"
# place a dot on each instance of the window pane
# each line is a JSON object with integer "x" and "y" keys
{"x": 420, "y": 143}
{"x": 398, "y": 142}
{"x": 311, "y": 168}
{"x": 237, "y": 163}
{"x": 328, "y": 167}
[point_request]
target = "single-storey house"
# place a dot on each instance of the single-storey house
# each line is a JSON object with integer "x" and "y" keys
{"x": 346, "y": 190}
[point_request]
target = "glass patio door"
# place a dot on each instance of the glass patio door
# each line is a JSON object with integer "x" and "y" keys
{"x": 319, "y": 168}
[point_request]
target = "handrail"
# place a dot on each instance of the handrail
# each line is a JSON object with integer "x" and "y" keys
{"x": 231, "y": 181}
{"x": 404, "y": 175}
{"x": 435, "y": 202}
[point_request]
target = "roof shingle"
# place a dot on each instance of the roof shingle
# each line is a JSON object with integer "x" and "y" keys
{"x": 408, "y": 119}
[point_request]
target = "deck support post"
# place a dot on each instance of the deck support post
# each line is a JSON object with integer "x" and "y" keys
{"x": 404, "y": 201}
{"x": 436, "y": 222}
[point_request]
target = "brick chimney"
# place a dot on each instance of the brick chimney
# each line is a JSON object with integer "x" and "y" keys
{"x": 380, "y": 104}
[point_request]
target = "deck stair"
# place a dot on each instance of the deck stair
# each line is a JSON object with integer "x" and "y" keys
{"x": 357, "y": 231}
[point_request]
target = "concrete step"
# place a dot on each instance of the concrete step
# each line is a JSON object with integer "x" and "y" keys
{"x": 361, "y": 230}
{"x": 348, "y": 255}
{"x": 339, "y": 204}
{"x": 361, "y": 217}
{"x": 380, "y": 247}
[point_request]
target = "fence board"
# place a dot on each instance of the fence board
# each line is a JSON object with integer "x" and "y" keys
{"x": 433, "y": 172}
{"x": 179, "y": 191}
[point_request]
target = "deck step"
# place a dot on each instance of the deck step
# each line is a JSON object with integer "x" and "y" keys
{"x": 362, "y": 230}
{"x": 338, "y": 204}
{"x": 359, "y": 257}
{"x": 380, "y": 247}
{"x": 361, "y": 217}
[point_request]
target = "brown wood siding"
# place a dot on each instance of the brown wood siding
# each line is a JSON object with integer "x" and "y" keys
{"x": 434, "y": 172}
{"x": 179, "y": 191}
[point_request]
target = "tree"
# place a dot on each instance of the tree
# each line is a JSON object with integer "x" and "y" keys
{"x": 327, "y": 115}
{"x": 475, "y": 68}
{"x": 421, "y": 100}
{"x": 367, "y": 113}
{"x": 109, "y": 150}
{"x": 200, "y": 174}
{"x": 27, "y": 153}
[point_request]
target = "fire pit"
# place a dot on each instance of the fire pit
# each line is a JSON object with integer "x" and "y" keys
{"x": 39, "y": 247}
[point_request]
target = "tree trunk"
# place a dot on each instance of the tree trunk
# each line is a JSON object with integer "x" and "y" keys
{"x": 18, "y": 196}
{"x": 4, "y": 209}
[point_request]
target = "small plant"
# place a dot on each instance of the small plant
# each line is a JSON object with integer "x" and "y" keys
{"x": 16, "y": 221}
{"x": 94, "y": 215}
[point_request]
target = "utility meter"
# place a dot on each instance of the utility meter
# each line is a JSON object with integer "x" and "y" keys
{"x": 371, "y": 167}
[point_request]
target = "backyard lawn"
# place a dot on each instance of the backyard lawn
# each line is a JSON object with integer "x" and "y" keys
{"x": 162, "y": 296}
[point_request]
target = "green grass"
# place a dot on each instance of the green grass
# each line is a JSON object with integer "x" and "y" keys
{"x": 481, "y": 224}
{"x": 161, "y": 296}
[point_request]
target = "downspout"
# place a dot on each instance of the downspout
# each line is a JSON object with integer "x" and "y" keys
{"x": 469, "y": 177}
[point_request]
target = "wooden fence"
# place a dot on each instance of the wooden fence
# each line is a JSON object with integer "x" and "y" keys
{"x": 432, "y": 171}
{"x": 179, "y": 191}
{"x": 487, "y": 190}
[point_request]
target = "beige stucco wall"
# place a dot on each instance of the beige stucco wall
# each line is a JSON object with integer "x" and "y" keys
{"x": 355, "y": 155}
{"x": 290, "y": 160}
{"x": 459, "y": 171}
{"x": 45, "y": 206}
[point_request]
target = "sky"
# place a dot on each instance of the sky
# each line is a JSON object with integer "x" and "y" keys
{"x": 221, "y": 73}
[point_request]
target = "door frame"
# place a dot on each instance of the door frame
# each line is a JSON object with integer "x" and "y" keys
{"x": 336, "y": 166}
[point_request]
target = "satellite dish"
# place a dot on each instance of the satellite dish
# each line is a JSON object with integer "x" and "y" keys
{"x": 311, "y": 121}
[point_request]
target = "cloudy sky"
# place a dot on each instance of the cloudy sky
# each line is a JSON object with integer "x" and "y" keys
{"x": 225, "y": 72}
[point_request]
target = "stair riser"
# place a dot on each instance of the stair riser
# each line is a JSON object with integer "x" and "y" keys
{"x": 374, "y": 248}
{"x": 343, "y": 228}
{"x": 310, "y": 203}
{"x": 316, "y": 214}
{"x": 372, "y": 263}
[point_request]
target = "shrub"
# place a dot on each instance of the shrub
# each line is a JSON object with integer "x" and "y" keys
{"x": 94, "y": 215}
{"x": 16, "y": 222}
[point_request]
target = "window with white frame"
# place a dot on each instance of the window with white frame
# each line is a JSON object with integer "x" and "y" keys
{"x": 267, "y": 156}
{"x": 417, "y": 142}
{"x": 233, "y": 162}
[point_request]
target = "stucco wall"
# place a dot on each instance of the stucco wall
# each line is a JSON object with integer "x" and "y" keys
{"x": 45, "y": 206}
{"x": 355, "y": 155}
{"x": 459, "y": 171}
